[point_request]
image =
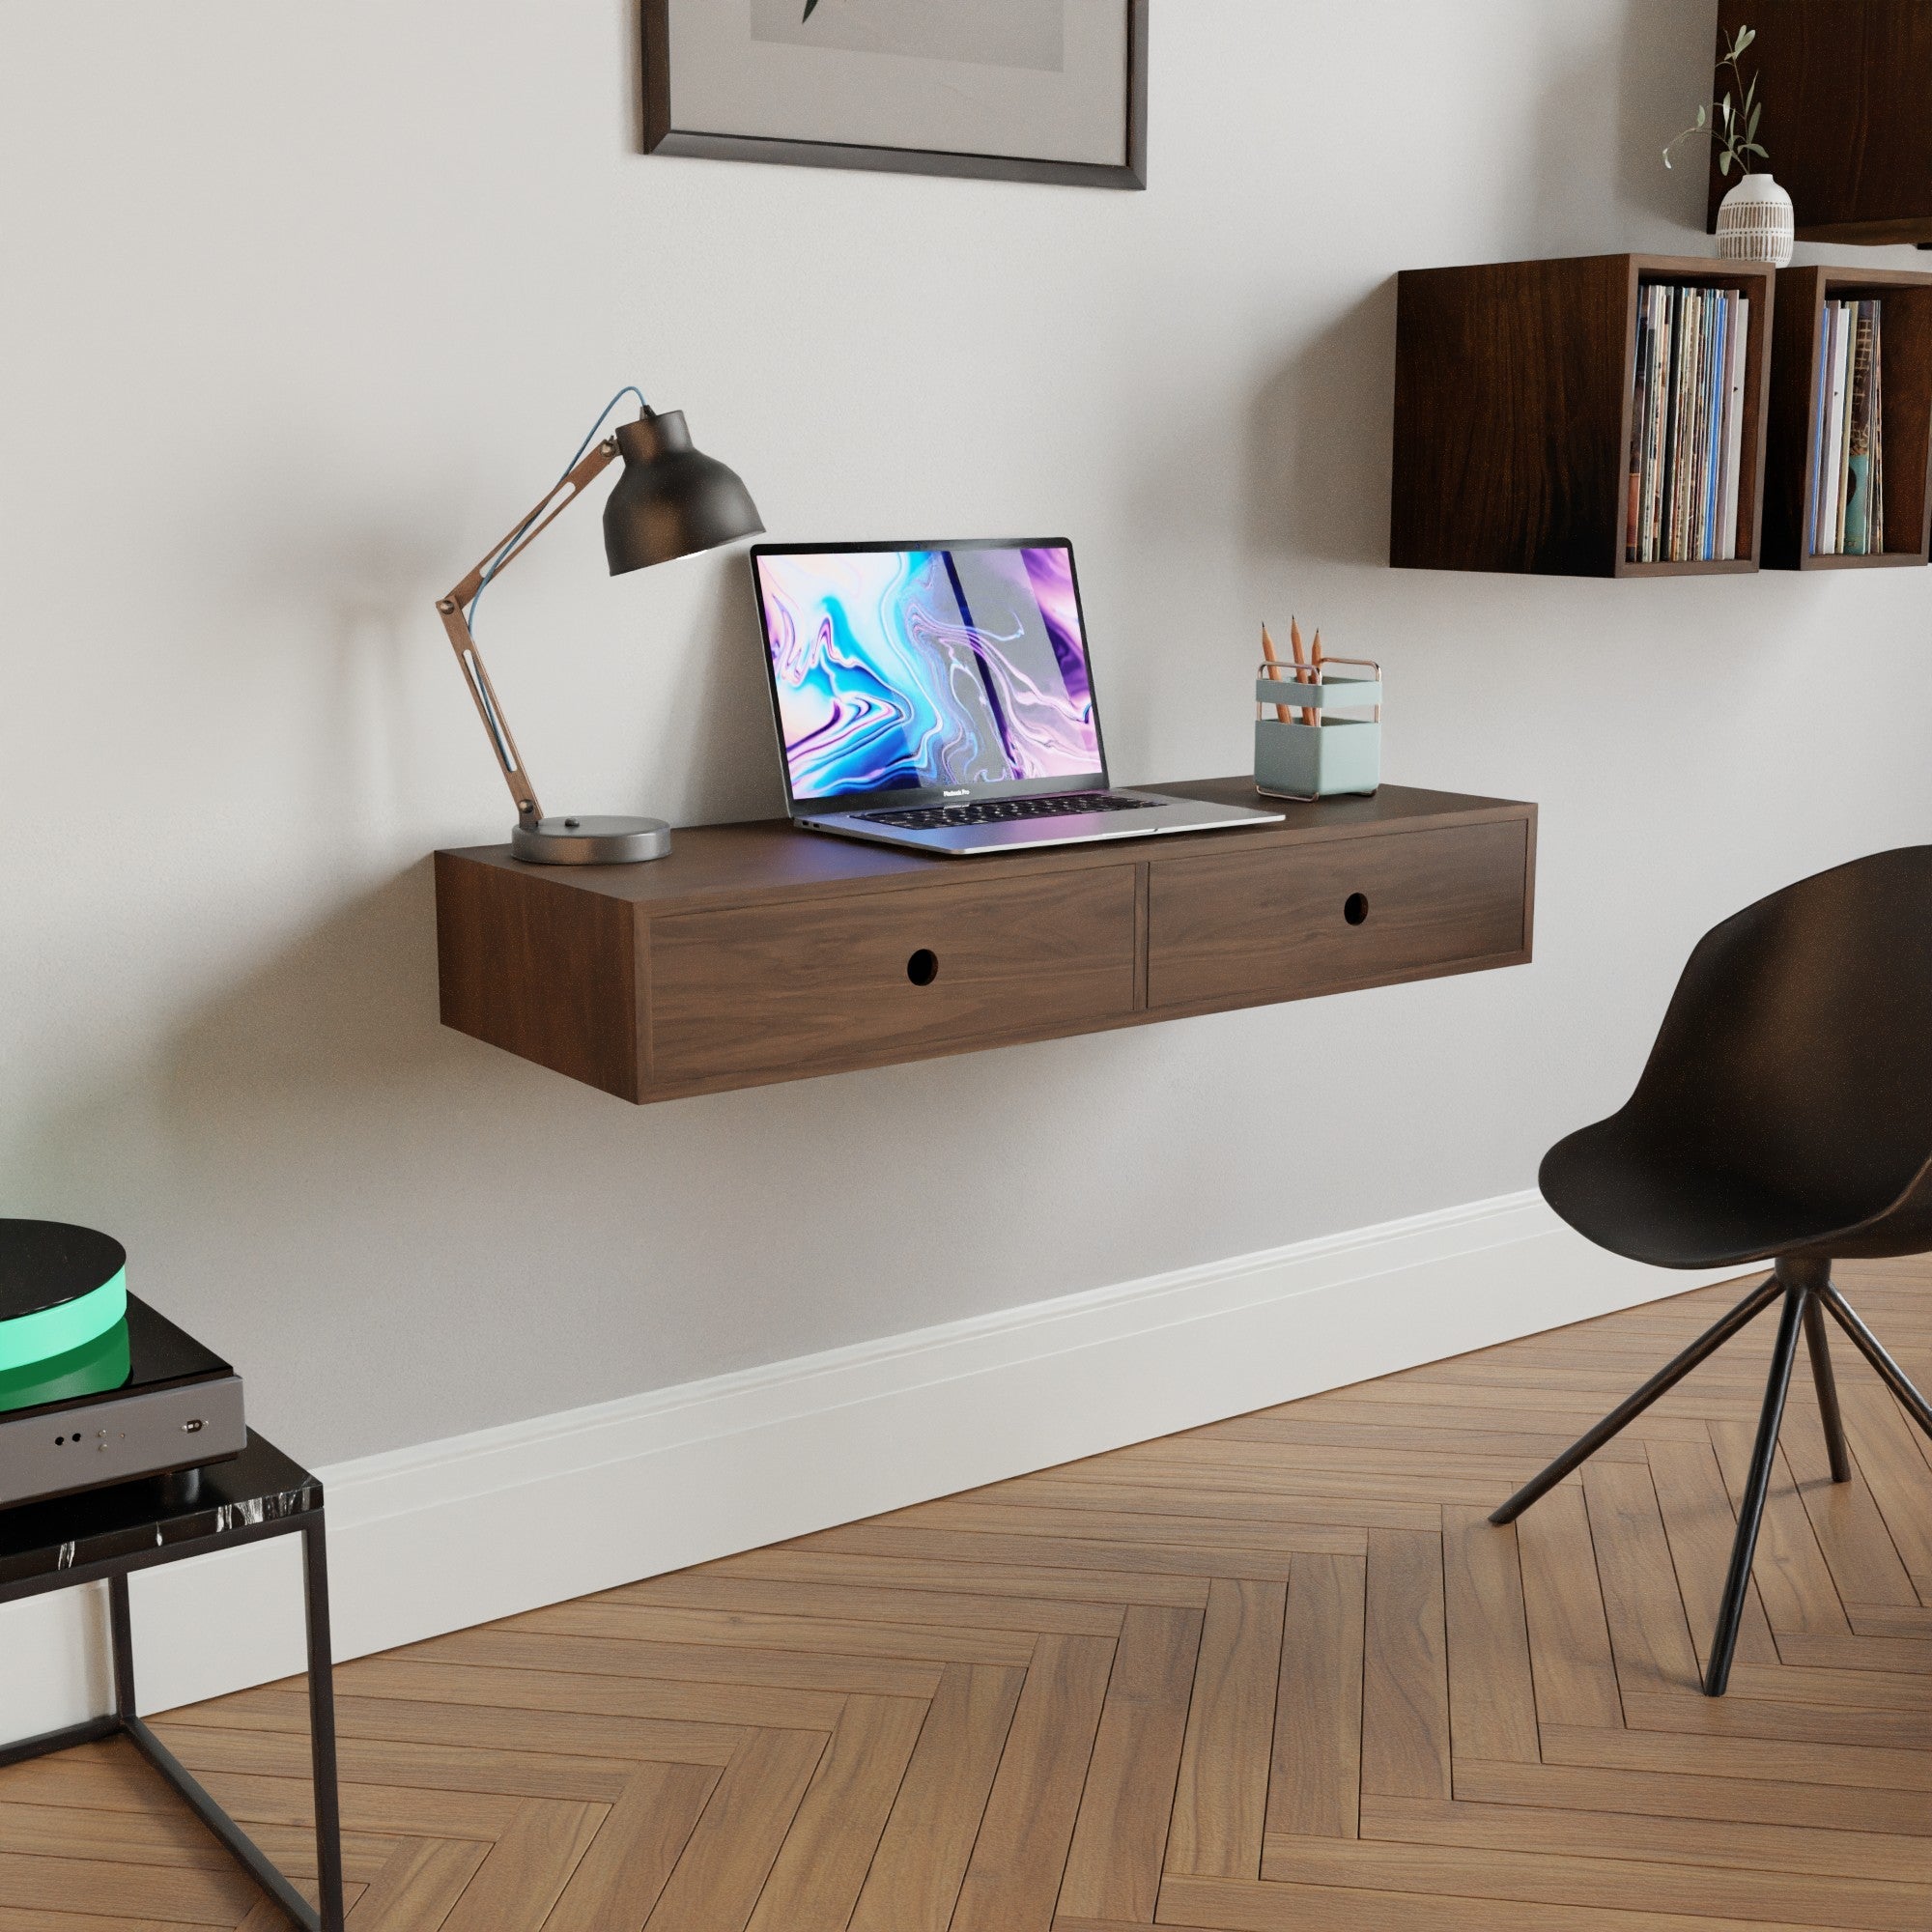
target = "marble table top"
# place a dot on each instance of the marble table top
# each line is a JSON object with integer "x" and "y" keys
{"x": 260, "y": 1486}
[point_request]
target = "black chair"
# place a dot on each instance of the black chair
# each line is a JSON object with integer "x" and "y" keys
{"x": 1785, "y": 1114}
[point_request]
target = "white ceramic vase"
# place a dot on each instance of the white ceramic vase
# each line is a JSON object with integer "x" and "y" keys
{"x": 1756, "y": 222}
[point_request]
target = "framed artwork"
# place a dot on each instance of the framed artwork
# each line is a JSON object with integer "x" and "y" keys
{"x": 1012, "y": 89}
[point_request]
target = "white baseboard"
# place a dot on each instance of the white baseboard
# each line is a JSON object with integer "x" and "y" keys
{"x": 459, "y": 1532}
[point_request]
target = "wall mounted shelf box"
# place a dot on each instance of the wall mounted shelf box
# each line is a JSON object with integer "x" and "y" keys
{"x": 1513, "y": 393}
{"x": 757, "y": 953}
{"x": 1791, "y": 435}
{"x": 1844, "y": 85}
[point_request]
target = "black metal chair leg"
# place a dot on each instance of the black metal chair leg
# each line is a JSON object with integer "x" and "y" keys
{"x": 1757, "y": 1487}
{"x": 322, "y": 1724}
{"x": 1818, "y": 1342}
{"x": 1667, "y": 1378}
{"x": 1870, "y": 1347}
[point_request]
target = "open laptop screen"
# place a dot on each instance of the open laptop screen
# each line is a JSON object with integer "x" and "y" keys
{"x": 950, "y": 670}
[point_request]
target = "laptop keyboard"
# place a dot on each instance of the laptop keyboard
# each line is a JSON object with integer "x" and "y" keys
{"x": 1008, "y": 811}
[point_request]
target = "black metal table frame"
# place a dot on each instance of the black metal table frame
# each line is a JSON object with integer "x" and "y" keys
{"x": 123, "y": 1720}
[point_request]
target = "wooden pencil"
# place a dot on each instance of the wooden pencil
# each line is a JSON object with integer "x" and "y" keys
{"x": 1281, "y": 711}
{"x": 1301, "y": 666}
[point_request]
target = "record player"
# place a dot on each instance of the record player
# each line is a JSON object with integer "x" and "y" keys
{"x": 95, "y": 1386}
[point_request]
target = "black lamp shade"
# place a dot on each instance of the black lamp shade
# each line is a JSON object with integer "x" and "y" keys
{"x": 671, "y": 499}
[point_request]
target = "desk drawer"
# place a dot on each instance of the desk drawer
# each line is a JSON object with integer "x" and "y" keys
{"x": 772, "y": 992}
{"x": 1293, "y": 920}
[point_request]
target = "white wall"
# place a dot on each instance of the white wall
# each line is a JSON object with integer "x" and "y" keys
{"x": 303, "y": 304}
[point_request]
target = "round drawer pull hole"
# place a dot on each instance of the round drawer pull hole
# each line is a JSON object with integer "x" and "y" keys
{"x": 922, "y": 968}
{"x": 1355, "y": 908}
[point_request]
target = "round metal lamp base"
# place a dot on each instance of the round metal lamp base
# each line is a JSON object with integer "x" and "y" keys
{"x": 592, "y": 842}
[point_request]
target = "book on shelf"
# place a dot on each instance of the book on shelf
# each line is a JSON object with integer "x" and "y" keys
{"x": 1832, "y": 441}
{"x": 1841, "y": 461}
{"x": 1847, "y": 484}
{"x": 1683, "y": 503}
{"x": 1734, "y": 431}
{"x": 1876, "y": 497}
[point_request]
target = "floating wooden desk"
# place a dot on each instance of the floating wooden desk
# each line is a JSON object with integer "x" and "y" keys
{"x": 757, "y": 953}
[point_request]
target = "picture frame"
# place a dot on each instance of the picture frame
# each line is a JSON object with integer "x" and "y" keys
{"x": 743, "y": 80}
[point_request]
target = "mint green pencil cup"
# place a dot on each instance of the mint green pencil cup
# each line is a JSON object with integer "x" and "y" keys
{"x": 1330, "y": 757}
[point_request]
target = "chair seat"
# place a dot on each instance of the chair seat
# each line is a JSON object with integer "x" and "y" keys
{"x": 1628, "y": 1196}
{"x": 1785, "y": 1113}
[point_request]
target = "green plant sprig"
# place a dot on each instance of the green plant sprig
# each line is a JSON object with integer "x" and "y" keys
{"x": 1735, "y": 130}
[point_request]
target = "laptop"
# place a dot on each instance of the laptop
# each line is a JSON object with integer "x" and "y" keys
{"x": 940, "y": 697}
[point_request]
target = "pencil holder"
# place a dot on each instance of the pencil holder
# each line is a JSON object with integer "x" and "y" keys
{"x": 1328, "y": 755}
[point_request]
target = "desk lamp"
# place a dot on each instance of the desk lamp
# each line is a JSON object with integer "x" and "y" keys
{"x": 671, "y": 500}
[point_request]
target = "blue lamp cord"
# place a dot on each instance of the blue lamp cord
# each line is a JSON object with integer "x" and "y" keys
{"x": 500, "y": 556}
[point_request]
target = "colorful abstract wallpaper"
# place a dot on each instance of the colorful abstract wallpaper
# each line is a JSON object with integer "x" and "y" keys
{"x": 900, "y": 669}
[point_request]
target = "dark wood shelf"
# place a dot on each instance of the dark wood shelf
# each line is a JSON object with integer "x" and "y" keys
{"x": 1513, "y": 396}
{"x": 758, "y": 953}
{"x": 1791, "y": 435}
{"x": 1844, "y": 85}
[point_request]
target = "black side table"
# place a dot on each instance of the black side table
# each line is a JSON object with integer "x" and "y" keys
{"x": 111, "y": 1533}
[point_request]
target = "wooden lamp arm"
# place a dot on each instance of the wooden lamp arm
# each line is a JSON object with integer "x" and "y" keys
{"x": 454, "y": 609}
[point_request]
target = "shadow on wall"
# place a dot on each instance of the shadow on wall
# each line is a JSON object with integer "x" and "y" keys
{"x": 717, "y": 744}
{"x": 1663, "y": 69}
{"x": 258, "y": 1130}
{"x": 347, "y": 1011}
{"x": 1318, "y": 441}
{"x": 1623, "y": 84}
{"x": 351, "y": 1004}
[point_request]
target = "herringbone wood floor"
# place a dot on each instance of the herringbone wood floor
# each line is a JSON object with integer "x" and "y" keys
{"x": 1275, "y": 1673}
